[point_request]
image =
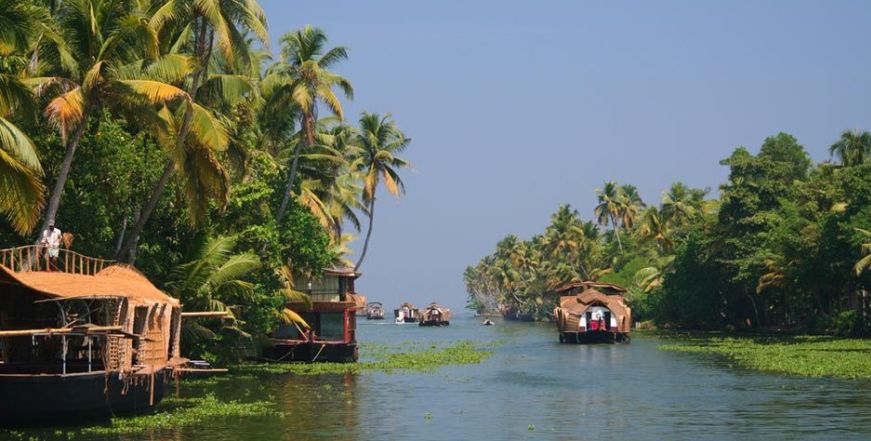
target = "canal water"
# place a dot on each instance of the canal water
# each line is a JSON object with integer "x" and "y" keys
{"x": 535, "y": 388}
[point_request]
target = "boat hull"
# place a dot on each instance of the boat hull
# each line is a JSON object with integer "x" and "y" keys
{"x": 28, "y": 400}
{"x": 434, "y": 323}
{"x": 313, "y": 352}
{"x": 594, "y": 337}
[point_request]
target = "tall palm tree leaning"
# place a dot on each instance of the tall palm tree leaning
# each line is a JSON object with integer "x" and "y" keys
{"x": 300, "y": 80}
{"x": 610, "y": 208}
{"x": 381, "y": 142}
{"x": 853, "y": 148}
{"x": 108, "y": 41}
{"x": 198, "y": 25}
{"x": 22, "y": 194}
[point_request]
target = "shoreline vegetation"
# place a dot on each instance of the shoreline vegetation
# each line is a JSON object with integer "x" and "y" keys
{"x": 171, "y": 135}
{"x": 786, "y": 244}
{"x": 802, "y": 355}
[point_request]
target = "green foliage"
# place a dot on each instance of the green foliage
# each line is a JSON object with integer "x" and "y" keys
{"x": 802, "y": 355}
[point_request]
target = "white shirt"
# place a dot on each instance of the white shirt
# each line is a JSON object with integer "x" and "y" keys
{"x": 52, "y": 238}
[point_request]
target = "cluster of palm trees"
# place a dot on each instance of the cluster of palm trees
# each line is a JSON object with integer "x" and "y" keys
{"x": 520, "y": 278}
{"x": 178, "y": 70}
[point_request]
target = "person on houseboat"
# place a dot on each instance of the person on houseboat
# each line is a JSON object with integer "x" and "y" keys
{"x": 51, "y": 239}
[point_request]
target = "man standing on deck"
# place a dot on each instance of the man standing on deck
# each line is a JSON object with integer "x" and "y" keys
{"x": 51, "y": 238}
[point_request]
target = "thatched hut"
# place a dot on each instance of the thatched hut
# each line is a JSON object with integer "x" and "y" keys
{"x": 81, "y": 337}
{"x": 435, "y": 315}
{"x": 592, "y": 312}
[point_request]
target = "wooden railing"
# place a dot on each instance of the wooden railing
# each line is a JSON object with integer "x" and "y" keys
{"x": 35, "y": 258}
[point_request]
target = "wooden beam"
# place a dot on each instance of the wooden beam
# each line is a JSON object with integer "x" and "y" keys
{"x": 63, "y": 331}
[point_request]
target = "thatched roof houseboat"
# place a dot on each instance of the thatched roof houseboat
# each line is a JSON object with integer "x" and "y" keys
{"x": 435, "y": 315}
{"x": 331, "y": 315}
{"x": 406, "y": 313}
{"x": 375, "y": 311}
{"x": 592, "y": 312}
{"x": 81, "y": 338}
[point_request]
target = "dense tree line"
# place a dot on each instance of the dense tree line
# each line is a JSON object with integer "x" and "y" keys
{"x": 785, "y": 246}
{"x": 163, "y": 134}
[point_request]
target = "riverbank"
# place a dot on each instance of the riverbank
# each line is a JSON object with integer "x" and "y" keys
{"x": 810, "y": 356}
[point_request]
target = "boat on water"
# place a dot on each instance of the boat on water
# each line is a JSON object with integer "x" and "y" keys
{"x": 375, "y": 311}
{"x": 406, "y": 313}
{"x": 81, "y": 338}
{"x": 592, "y": 312}
{"x": 331, "y": 315}
{"x": 435, "y": 315}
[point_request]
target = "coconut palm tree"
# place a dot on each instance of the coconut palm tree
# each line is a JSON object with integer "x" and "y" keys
{"x": 630, "y": 205}
{"x": 853, "y": 148}
{"x": 109, "y": 40}
{"x": 381, "y": 142}
{"x": 196, "y": 27}
{"x": 656, "y": 227}
{"x": 299, "y": 81}
{"x": 610, "y": 208}
{"x": 22, "y": 194}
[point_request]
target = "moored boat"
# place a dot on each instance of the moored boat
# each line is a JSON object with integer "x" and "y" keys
{"x": 81, "y": 338}
{"x": 375, "y": 311}
{"x": 331, "y": 317}
{"x": 435, "y": 315}
{"x": 406, "y": 313}
{"x": 592, "y": 312}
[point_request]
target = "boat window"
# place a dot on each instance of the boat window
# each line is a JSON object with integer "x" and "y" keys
{"x": 332, "y": 326}
{"x": 140, "y": 314}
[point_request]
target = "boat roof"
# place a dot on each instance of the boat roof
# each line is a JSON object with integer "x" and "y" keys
{"x": 345, "y": 272}
{"x": 113, "y": 281}
{"x": 588, "y": 284}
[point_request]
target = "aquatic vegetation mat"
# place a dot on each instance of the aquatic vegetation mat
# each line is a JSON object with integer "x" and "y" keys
{"x": 812, "y": 356}
{"x": 407, "y": 356}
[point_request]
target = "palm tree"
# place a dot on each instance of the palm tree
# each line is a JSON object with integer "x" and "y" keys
{"x": 631, "y": 203}
{"x": 381, "y": 142}
{"x": 22, "y": 194}
{"x": 656, "y": 227}
{"x": 865, "y": 262}
{"x": 610, "y": 208}
{"x": 197, "y": 26}
{"x": 853, "y": 148}
{"x": 299, "y": 81}
{"x": 109, "y": 41}
{"x": 213, "y": 280}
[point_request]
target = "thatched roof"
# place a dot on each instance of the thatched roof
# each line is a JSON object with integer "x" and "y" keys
{"x": 113, "y": 281}
{"x": 358, "y": 299}
{"x": 578, "y": 305}
{"x": 587, "y": 284}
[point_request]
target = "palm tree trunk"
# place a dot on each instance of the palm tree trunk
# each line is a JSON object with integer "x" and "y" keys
{"x": 368, "y": 233}
{"x": 308, "y": 139}
{"x": 617, "y": 233}
{"x": 156, "y": 193}
{"x": 63, "y": 174}
{"x": 205, "y": 40}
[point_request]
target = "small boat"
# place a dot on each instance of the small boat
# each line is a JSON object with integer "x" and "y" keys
{"x": 407, "y": 313}
{"x": 375, "y": 311}
{"x": 487, "y": 322}
{"x": 81, "y": 338}
{"x": 399, "y": 320}
{"x": 435, "y": 315}
{"x": 592, "y": 312}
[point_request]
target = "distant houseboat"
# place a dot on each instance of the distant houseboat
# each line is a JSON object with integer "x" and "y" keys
{"x": 406, "y": 313}
{"x": 435, "y": 315}
{"x": 375, "y": 311}
{"x": 83, "y": 338}
{"x": 592, "y": 312}
{"x": 331, "y": 315}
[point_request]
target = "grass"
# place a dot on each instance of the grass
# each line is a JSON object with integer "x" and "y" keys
{"x": 811, "y": 356}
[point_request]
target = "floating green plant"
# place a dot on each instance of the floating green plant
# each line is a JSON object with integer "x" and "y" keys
{"x": 813, "y": 356}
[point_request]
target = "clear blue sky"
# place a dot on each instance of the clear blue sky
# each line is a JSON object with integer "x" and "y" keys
{"x": 515, "y": 107}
